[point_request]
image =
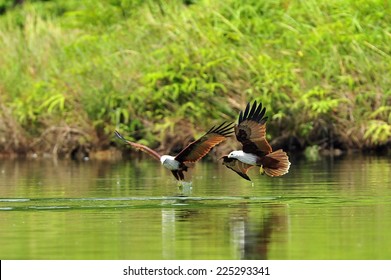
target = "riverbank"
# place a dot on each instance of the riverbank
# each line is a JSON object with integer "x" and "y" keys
{"x": 162, "y": 74}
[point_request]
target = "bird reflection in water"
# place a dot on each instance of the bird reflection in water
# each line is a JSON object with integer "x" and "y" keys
{"x": 243, "y": 230}
{"x": 252, "y": 236}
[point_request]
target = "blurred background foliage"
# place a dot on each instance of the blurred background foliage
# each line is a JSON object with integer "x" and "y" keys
{"x": 163, "y": 72}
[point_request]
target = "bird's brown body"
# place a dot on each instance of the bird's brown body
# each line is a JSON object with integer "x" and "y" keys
{"x": 191, "y": 153}
{"x": 251, "y": 133}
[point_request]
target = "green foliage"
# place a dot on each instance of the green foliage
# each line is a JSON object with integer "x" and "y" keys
{"x": 378, "y": 132}
{"x": 321, "y": 67}
{"x": 5, "y": 5}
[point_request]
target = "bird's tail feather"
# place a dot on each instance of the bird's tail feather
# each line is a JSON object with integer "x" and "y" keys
{"x": 276, "y": 163}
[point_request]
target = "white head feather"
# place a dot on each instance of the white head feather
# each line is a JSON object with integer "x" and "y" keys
{"x": 235, "y": 154}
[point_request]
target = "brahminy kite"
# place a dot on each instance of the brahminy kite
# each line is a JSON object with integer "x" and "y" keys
{"x": 251, "y": 132}
{"x": 191, "y": 153}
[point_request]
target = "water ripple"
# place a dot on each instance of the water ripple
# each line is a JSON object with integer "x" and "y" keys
{"x": 25, "y": 204}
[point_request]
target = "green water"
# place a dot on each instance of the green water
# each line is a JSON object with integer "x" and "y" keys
{"x": 330, "y": 209}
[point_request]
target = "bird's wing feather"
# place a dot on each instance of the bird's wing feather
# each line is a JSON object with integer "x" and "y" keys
{"x": 199, "y": 148}
{"x": 140, "y": 147}
{"x": 251, "y": 130}
{"x": 239, "y": 167}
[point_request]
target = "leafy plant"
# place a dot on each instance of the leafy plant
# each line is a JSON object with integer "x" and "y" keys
{"x": 149, "y": 68}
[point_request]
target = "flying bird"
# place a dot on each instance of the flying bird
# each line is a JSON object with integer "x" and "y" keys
{"x": 191, "y": 153}
{"x": 251, "y": 133}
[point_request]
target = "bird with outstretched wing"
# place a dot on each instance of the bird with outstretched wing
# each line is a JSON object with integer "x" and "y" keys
{"x": 191, "y": 153}
{"x": 251, "y": 133}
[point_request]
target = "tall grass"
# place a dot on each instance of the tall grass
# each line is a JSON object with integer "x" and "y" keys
{"x": 77, "y": 70}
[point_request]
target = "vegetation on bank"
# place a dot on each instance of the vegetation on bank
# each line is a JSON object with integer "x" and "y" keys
{"x": 162, "y": 72}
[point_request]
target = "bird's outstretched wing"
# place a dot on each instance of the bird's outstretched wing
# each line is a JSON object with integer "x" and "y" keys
{"x": 237, "y": 166}
{"x": 251, "y": 130}
{"x": 199, "y": 148}
{"x": 140, "y": 147}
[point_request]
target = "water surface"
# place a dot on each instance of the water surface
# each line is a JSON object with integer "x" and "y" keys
{"x": 328, "y": 209}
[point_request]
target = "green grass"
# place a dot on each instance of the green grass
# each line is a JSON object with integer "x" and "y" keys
{"x": 73, "y": 71}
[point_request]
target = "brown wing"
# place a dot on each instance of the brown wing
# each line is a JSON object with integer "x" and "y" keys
{"x": 251, "y": 130}
{"x": 199, "y": 148}
{"x": 237, "y": 166}
{"x": 140, "y": 147}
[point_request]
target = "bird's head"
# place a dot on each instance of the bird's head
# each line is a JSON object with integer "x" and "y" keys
{"x": 163, "y": 159}
{"x": 234, "y": 154}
